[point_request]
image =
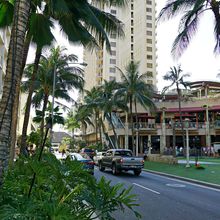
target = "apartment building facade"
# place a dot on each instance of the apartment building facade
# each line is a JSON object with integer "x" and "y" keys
{"x": 139, "y": 44}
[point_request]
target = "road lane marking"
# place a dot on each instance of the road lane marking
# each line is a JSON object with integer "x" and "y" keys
{"x": 146, "y": 188}
{"x": 175, "y": 185}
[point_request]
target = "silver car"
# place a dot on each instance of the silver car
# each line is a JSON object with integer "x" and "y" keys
{"x": 98, "y": 157}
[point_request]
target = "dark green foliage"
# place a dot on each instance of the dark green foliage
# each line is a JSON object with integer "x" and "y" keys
{"x": 62, "y": 190}
{"x": 6, "y": 13}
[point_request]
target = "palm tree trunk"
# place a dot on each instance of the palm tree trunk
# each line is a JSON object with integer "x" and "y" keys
{"x": 137, "y": 128}
{"x": 96, "y": 128}
{"x": 19, "y": 27}
{"x": 113, "y": 128}
{"x": 181, "y": 118}
{"x": 132, "y": 127}
{"x": 16, "y": 102}
{"x": 28, "y": 103}
{"x": 100, "y": 129}
{"x": 46, "y": 98}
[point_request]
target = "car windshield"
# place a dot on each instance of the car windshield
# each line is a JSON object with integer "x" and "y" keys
{"x": 79, "y": 157}
{"x": 123, "y": 153}
{"x": 88, "y": 150}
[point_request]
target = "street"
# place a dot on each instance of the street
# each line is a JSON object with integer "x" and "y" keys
{"x": 163, "y": 198}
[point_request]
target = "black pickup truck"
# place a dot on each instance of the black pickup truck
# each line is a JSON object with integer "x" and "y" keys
{"x": 121, "y": 160}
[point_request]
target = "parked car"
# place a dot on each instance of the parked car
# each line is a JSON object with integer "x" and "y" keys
{"x": 88, "y": 151}
{"x": 98, "y": 157}
{"x": 88, "y": 163}
{"x": 121, "y": 159}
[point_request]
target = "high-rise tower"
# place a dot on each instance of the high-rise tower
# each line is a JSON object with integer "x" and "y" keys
{"x": 139, "y": 44}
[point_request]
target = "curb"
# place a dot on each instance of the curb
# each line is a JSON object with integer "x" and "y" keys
{"x": 216, "y": 186}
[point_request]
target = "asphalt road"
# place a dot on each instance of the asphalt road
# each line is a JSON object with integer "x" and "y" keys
{"x": 163, "y": 198}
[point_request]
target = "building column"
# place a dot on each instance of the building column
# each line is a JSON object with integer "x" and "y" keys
{"x": 149, "y": 144}
{"x": 207, "y": 127}
{"x": 141, "y": 145}
{"x": 163, "y": 136}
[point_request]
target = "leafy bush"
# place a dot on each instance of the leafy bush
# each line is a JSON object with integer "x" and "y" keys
{"x": 199, "y": 167}
{"x": 62, "y": 190}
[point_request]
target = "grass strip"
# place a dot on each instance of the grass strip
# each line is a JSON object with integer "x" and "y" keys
{"x": 211, "y": 173}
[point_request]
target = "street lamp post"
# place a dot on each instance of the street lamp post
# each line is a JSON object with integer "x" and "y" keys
{"x": 187, "y": 141}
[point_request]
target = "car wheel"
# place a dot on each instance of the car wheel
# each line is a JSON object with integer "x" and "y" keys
{"x": 137, "y": 172}
{"x": 114, "y": 169}
{"x": 101, "y": 168}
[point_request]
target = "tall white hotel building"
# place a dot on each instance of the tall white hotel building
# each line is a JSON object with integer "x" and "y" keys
{"x": 139, "y": 44}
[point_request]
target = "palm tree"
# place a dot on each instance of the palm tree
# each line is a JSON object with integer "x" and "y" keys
{"x": 71, "y": 123}
{"x": 177, "y": 78}
{"x": 192, "y": 11}
{"x": 58, "y": 116}
{"x": 109, "y": 102}
{"x": 135, "y": 90}
{"x": 92, "y": 101}
{"x": 67, "y": 79}
{"x": 18, "y": 31}
{"x": 84, "y": 116}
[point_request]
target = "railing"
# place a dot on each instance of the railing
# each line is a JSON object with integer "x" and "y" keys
{"x": 142, "y": 125}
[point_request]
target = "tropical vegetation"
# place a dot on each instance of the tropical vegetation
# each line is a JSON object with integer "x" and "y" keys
{"x": 56, "y": 65}
{"x": 135, "y": 90}
{"x": 176, "y": 77}
{"x": 62, "y": 190}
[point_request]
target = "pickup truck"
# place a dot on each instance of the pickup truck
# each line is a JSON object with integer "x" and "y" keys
{"x": 121, "y": 160}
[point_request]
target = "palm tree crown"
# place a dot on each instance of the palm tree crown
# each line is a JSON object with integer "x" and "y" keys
{"x": 192, "y": 12}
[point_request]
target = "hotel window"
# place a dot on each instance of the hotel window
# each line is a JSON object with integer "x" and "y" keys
{"x": 132, "y": 46}
{"x": 113, "y": 53}
{"x": 149, "y": 17}
{"x": 149, "y": 25}
{"x": 149, "y": 2}
{"x": 149, "y": 49}
{"x": 113, "y": 12}
{"x": 148, "y": 9}
{"x": 112, "y": 61}
{"x": 132, "y": 56}
{"x": 112, "y": 78}
{"x": 149, "y": 74}
{"x": 132, "y": 6}
{"x": 113, "y": 36}
{"x": 132, "y": 39}
{"x": 113, "y": 44}
{"x": 149, "y": 65}
{"x": 132, "y": 30}
{"x": 132, "y": 14}
{"x": 149, "y": 33}
{"x": 149, "y": 57}
{"x": 132, "y": 22}
{"x": 112, "y": 70}
{"x": 149, "y": 41}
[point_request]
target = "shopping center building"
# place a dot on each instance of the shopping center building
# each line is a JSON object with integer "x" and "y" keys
{"x": 200, "y": 111}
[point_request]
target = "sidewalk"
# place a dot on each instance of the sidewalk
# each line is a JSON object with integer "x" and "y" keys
{"x": 200, "y": 162}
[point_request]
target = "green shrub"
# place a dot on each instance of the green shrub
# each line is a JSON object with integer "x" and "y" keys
{"x": 62, "y": 190}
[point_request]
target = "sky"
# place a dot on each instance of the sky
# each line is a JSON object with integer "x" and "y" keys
{"x": 198, "y": 60}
